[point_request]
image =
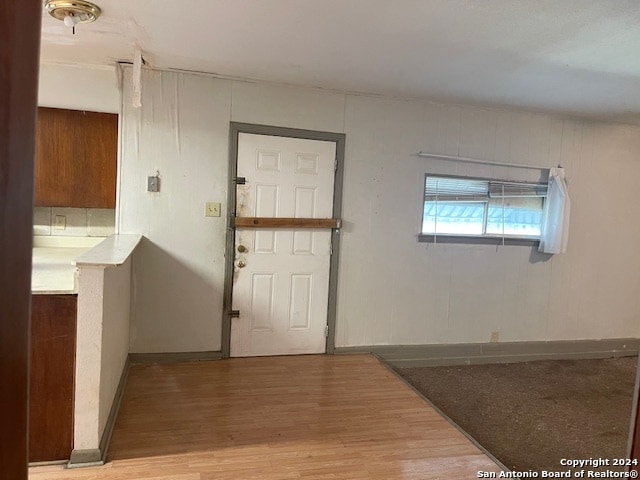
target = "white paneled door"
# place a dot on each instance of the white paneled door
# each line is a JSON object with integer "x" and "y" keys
{"x": 281, "y": 276}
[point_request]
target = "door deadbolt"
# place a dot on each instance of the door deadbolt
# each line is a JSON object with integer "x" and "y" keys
{"x": 242, "y": 248}
{"x": 241, "y": 264}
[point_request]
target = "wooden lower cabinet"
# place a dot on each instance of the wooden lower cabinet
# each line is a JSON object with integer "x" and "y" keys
{"x": 52, "y": 372}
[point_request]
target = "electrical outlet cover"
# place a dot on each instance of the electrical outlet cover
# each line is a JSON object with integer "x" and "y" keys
{"x": 60, "y": 222}
{"x": 212, "y": 209}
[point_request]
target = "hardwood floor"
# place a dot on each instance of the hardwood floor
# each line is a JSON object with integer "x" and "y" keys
{"x": 306, "y": 417}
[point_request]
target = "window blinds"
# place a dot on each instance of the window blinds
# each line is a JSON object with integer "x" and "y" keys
{"x": 482, "y": 207}
{"x": 447, "y": 188}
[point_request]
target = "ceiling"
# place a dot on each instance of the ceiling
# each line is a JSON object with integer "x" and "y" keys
{"x": 572, "y": 56}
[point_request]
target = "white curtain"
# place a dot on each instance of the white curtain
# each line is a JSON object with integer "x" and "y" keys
{"x": 555, "y": 219}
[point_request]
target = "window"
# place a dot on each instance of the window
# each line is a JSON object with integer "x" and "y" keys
{"x": 474, "y": 207}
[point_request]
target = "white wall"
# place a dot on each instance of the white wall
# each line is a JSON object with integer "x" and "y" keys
{"x": 182, "y": 132}
{"x": 86, "y": 431}
{"x": 392, "y": 290}
{"x": 78, "y": 87}
{"x": 396, "y": 291}
{"x": 104, "y": 300}
{"x": 115, "y": 335}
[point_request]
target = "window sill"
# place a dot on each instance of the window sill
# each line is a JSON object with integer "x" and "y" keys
{"x": 478, "y": 240}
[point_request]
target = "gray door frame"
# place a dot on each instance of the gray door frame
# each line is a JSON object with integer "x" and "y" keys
{"x": 235, "y": 130}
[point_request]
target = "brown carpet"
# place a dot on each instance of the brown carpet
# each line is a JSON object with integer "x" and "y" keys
{"x": 531, "y": 415}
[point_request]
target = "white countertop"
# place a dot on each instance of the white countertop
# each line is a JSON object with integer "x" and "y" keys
{"x": 66, "y": 242}
{"x": 53, "y": 271}
{"x": 112, "y": 252}
{"x": 56, "y": 259}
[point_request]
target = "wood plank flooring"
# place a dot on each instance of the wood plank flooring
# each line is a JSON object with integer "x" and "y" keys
{"x": 304, "y": 417}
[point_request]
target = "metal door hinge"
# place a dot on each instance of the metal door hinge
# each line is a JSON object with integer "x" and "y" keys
{"x": 326, "y": 331}
{"x": 240, "y": 180}
{"x": 234, "y": 314}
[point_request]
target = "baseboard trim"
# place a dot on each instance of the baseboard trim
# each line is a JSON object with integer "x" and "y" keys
{"x": 173, "y": 357}
{"x": 501, "y": 352}
{"x": 90, "y": 457}
{"x": 113, "y": 413}
{"x": 98, "y": 456}
{"x": 47, "y": 463}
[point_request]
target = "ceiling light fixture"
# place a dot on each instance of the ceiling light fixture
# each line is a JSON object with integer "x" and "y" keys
{"x": 72, "y": 12}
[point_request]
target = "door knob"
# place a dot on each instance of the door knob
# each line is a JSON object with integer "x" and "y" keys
{"x": 241, "y": 264}
{"x": 242, "y": 248}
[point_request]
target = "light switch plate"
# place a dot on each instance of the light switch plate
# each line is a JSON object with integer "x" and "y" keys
{"x": 212, "y": 209}
{"x": 153, "y": 184}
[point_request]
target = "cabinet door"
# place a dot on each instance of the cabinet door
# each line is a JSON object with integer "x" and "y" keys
{"x": 76, "y": 159}
{"x": 52, "y": 373}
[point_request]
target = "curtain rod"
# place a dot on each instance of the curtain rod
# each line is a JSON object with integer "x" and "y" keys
{"x": 483, "y": 162}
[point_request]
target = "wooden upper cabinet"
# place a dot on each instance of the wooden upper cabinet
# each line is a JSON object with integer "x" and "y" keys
{"x": 76, "y": 159}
